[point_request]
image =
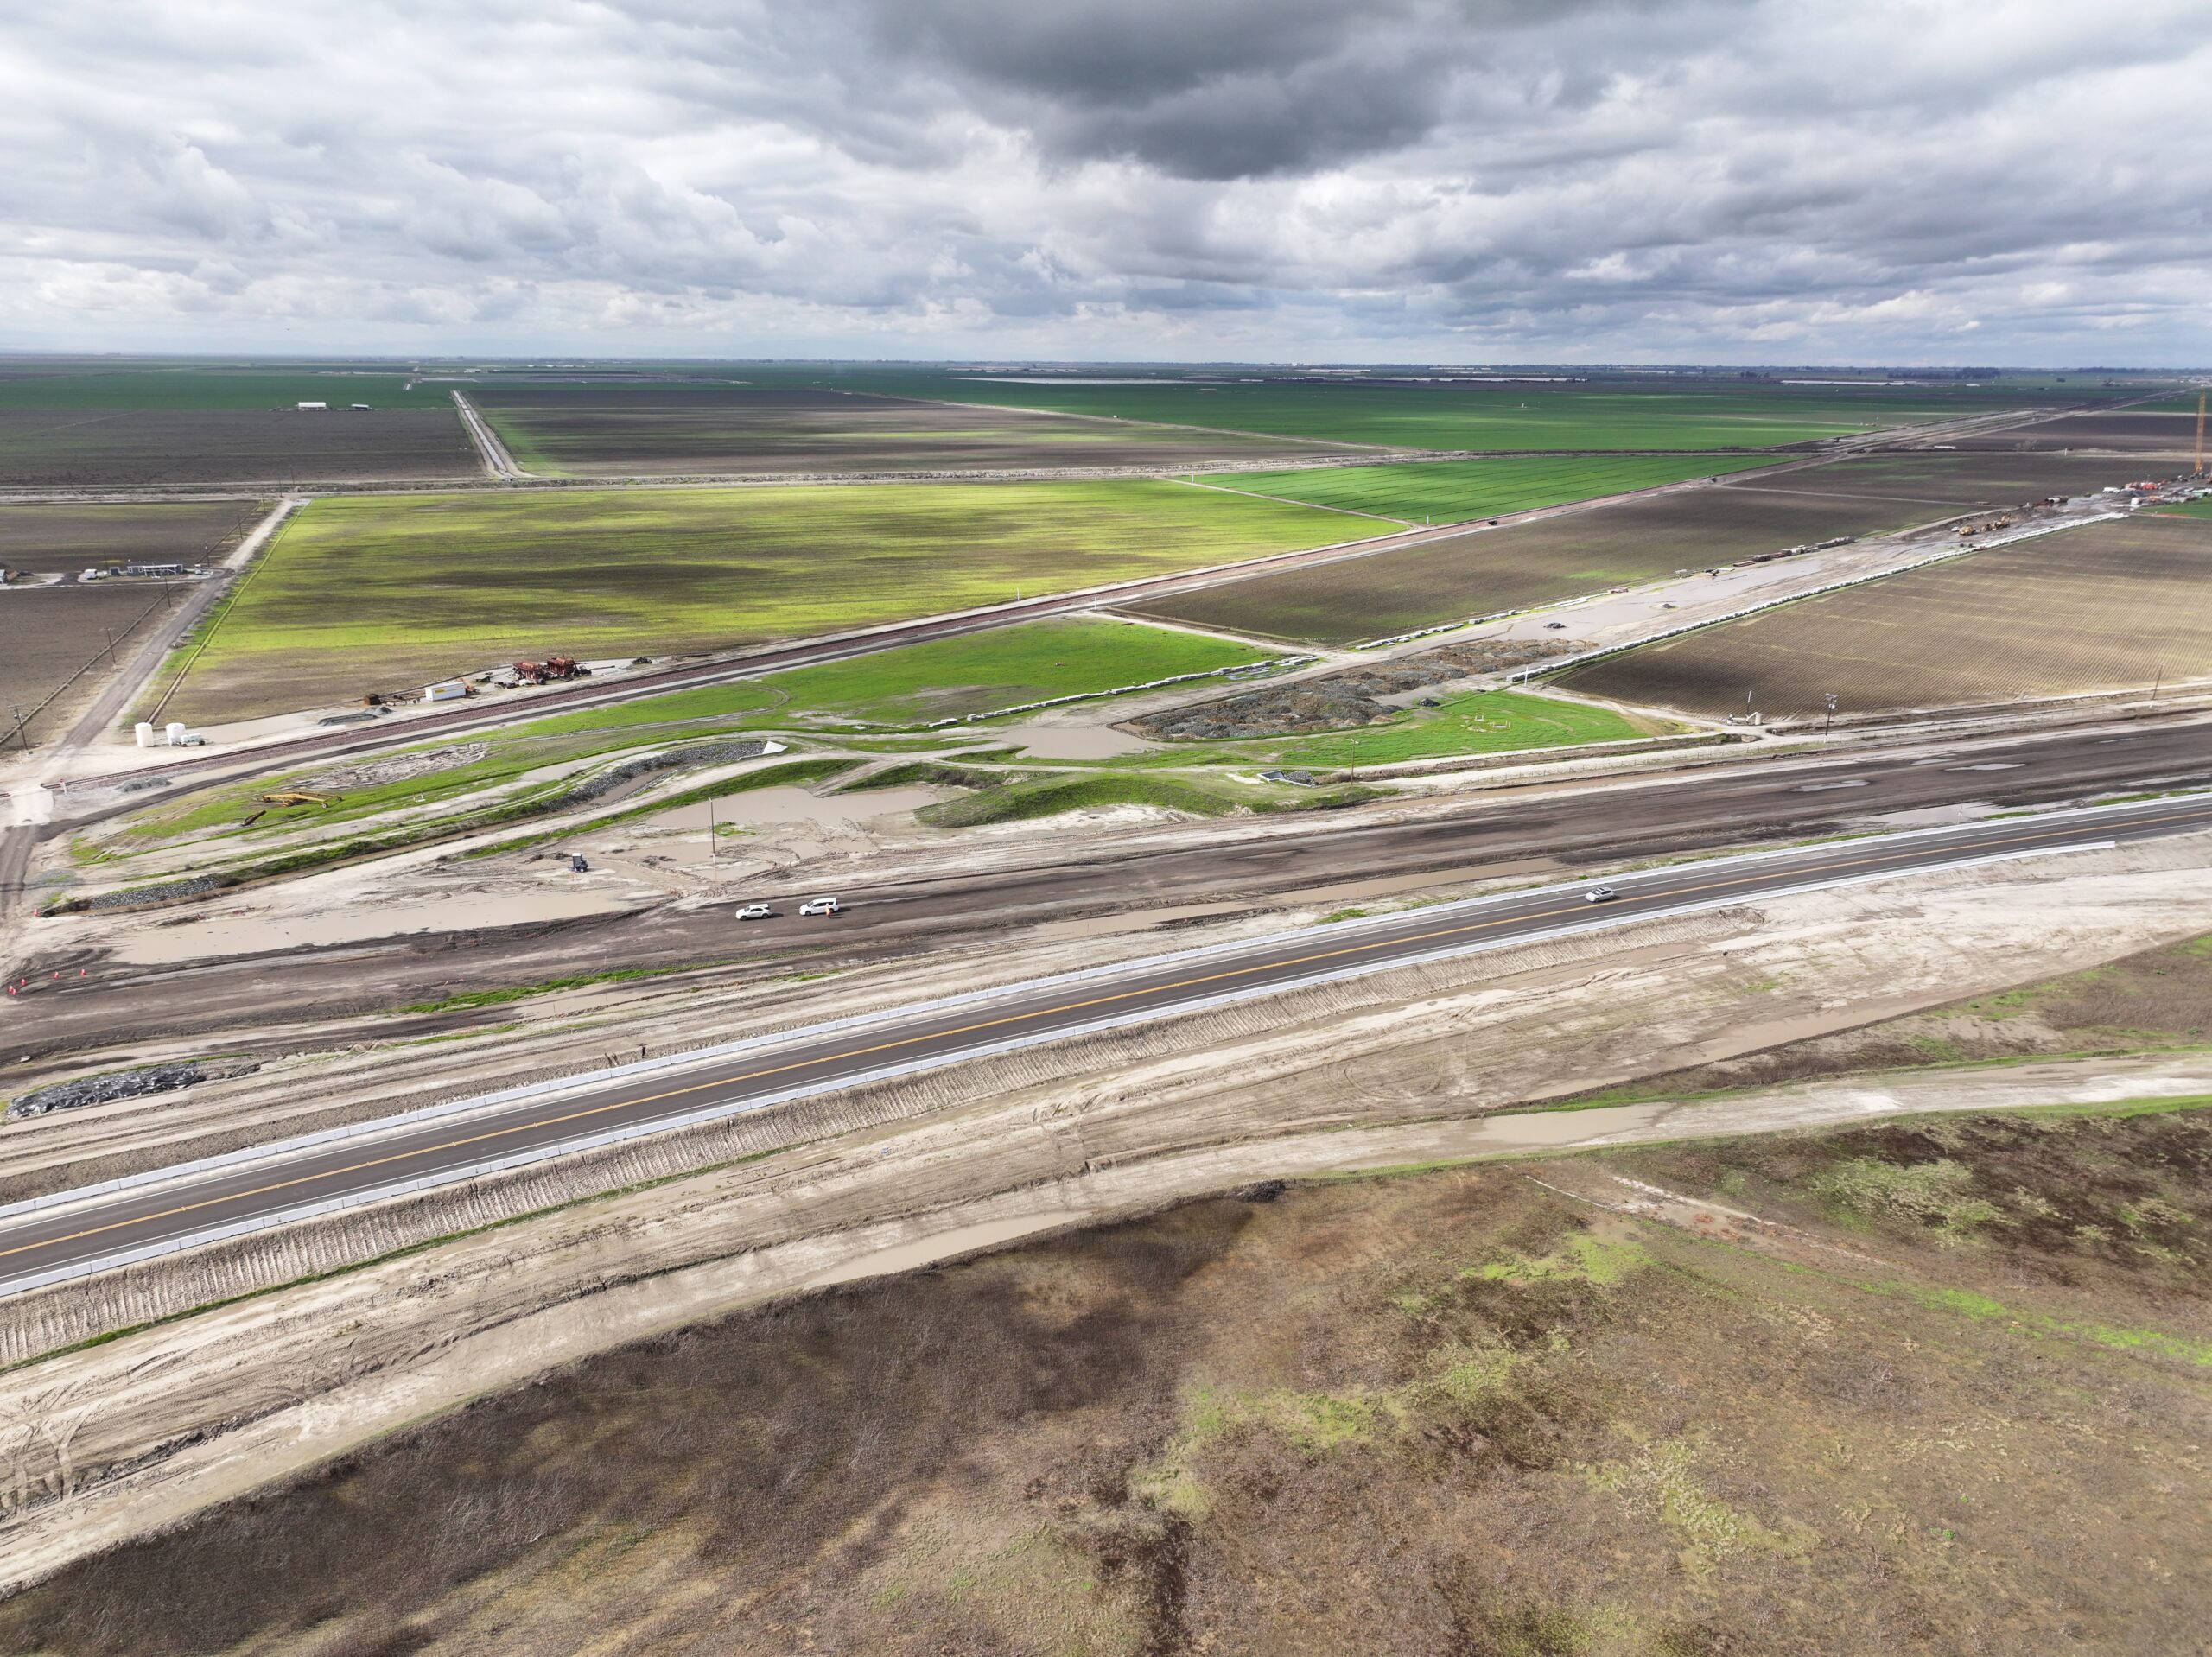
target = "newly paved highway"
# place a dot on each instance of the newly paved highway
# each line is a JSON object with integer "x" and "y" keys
{"x": 82, "y": 1235}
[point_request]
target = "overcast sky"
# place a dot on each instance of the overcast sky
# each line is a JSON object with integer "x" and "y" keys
{"x": 1438, "y": 181}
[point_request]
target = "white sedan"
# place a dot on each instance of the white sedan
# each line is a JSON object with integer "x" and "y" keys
{"x": 754, "y": 912}
{"x": 1600, "y": 895}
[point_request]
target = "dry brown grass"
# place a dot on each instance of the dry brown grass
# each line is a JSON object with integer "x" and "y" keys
{"x": 1452, "y": 1413}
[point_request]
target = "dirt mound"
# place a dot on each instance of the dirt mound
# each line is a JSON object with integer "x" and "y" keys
{"x": 1345, "y": 699}
{"x": 399, "y": 768}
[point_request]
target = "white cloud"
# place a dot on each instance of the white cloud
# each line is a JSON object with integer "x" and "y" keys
{"x": 1518, "y": 179}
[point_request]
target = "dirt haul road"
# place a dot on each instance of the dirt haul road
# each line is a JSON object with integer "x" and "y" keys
{"x": 1261, "y": 864}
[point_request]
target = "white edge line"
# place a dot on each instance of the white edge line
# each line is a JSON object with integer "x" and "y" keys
{"x": 967, "y": 1055}
{"x": 700, "y": 1056}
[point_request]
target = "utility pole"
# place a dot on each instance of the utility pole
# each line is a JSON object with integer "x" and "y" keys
{"x": 2200, "y": 434}
{"x": 1830, "y": 720}
{"x": 714, "y": 847}
{"x": 20, "y": 735}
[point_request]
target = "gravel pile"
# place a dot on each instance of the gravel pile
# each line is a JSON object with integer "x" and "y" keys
{"x": 123, "y": 1084}
{"x": 713, "y": 753}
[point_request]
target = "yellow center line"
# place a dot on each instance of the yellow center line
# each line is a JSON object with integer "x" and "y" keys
{"x": 958, "y": 1030}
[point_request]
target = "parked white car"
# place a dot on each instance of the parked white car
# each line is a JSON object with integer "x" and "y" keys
{"x": 754, "y": 912}
{"x": 820, "y": 906}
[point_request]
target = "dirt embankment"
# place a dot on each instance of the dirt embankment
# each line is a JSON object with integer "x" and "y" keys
{"x": 140, "y": 1431}
{"x": 1911, "y": 1388}
{"x": 1345, "y": 699}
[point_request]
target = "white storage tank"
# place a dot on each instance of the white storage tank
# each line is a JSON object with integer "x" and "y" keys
{"x": 175, "y": 734}
{"x": 145, "y": 734}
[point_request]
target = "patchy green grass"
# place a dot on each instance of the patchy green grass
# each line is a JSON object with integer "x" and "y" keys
{"x": 1453, "y": 491}
{"x": 366, "y": 592}
{"x": 1484, "y": 722}
{"x": 1070, "y": 656}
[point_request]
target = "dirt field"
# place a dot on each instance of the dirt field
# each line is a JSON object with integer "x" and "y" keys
{"x": 2131, "y": 431}
{"x": 84, "y": 448}
{"x": 48, "y": 634}
{"x": 1952, "y": 482}
{"x": 2108, "y": 607}
{"x": 52, "y": 539}
{"x": 1928, "y": 1385}
{"x": 615, "y": 432}
{"x": 1487, "y": 571}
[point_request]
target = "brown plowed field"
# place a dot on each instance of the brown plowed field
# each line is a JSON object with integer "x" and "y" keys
{"x": 48, "y": 634}
{"x": 91, "y": 447}
{"x": 620, "y": 432}
{"x": 2109, "y": 607}
{"x": 74, "y": 535}
{"x": 2129, "y": 432}
{"x": 1952, "y": 483}
{"x": 1484, "y": 572}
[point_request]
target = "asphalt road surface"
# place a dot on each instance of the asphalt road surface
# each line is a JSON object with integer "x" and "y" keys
{"x": 1596, "y": 824}
{"x": 101, "y": 1229}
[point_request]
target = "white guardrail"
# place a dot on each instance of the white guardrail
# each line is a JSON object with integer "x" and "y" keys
{"x": 699, "y": 1057}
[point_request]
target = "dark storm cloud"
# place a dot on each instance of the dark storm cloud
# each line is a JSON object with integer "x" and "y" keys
{"x": 1748, "y": 179}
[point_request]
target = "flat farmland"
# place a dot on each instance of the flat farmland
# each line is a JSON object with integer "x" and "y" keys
{"x": 2107, "y": 606}
{"x": 2129, "y": 431}
{"x": 1483, "y": 572}
{"x": 1949, "y": 482}
{"x": 621, "y": 432}
{"x": 377, "y": 593}
{"x": 93, "y": 447}
{"x": 1499, "y": 415}
{"x": 48, "y": 634}
{"x": 74, "y": 535}
{"x": 1451, "y": 491}
{"x": 119, "y": 386}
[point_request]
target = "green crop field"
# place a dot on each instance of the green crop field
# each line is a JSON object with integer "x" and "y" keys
{"x": 1499, "y": 415}
{"x": 1481, "y": 721}
{"x": 1453, "y": 492}
{"x": 998, "y": 668}
{"x": 2192, "y": 509}
{"x": 380, "y": 594}
{"x": 1032, "y": 661}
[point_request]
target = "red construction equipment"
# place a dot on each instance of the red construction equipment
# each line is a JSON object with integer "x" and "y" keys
{"x": 551, "y": 668}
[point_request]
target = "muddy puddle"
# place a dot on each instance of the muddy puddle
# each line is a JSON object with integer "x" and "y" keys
{"x": 1075, "y": 741}
{"x": 252, "y": 934}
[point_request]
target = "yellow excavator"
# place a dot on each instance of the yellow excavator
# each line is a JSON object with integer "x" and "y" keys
{"x": 299, "y": 796}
